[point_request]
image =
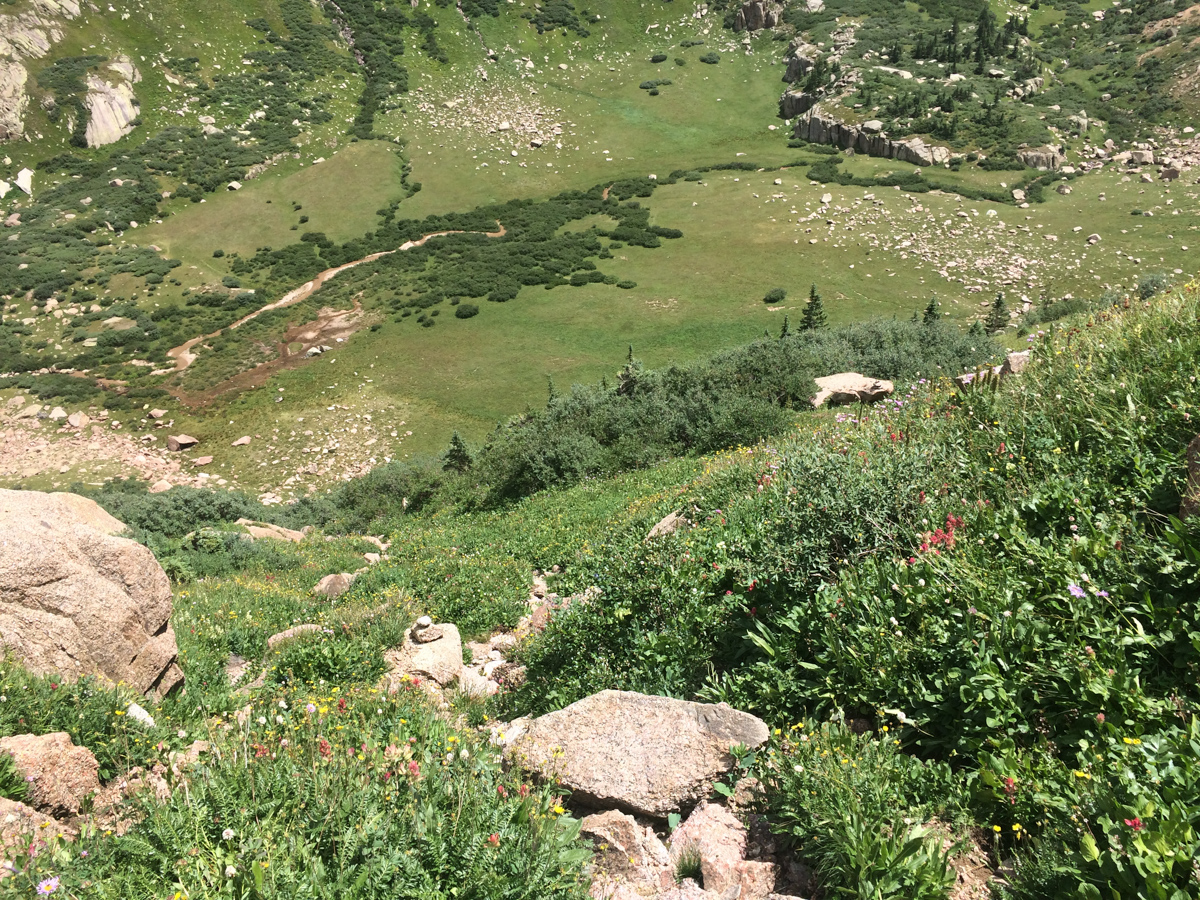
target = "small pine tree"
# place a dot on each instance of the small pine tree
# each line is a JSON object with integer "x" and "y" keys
{"x": 786, "y": 329}
{"x": 931, "y": 312}
{"x": 997, "y": 317}
{"x": 814, "y": 311}
{"x": 977, "y": 330}
{"x": 457, "y": 457}
{"x": 551, "y": 393}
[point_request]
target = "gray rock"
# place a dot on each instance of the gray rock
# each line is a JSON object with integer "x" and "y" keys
{"x": 333, "y": 586}
{"x": 1049, "y": 158}
{"x": 668, "y": 525}
{"x": 641, "y": 754}
{"x": 755, "y": 15}
{"x": 177, "y": 442}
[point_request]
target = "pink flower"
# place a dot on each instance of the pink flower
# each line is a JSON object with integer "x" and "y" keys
{"x": 494, "y": 839}
{"x": 1135, "y": 823}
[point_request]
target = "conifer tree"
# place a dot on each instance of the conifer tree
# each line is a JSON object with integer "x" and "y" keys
{"x": 997, "y": 317}
{"x": 787, "y": 328}
{"x": 977, "y": 330}
{"x": 814, "y": 311}
{"x": 457, "y": 457}
{"x": 931, "y": 312}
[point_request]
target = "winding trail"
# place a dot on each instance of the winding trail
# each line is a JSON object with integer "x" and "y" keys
{"x": 184, "y": 356}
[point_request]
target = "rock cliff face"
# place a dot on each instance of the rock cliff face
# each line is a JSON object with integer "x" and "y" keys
{"x": 1042, "y": 158}
{"x": 26, "y": 35}
{"x": 758, "y": 14}
{"x": 112, "y": 107}
{"x": 76, "y": 599}
{"x": 868, "y": 138}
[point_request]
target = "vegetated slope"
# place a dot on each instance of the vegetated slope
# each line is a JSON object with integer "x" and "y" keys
{"x": 989, "y": 586}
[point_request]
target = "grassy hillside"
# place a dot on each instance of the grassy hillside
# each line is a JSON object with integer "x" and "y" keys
{"x": 983, "y": 599}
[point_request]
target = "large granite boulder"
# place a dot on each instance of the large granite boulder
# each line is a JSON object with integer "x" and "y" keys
{"x": 59, "y": 775}
{"x": 76, "y": 599}
{"x": 850, "y": 387}
{"x": 644, "y": 755}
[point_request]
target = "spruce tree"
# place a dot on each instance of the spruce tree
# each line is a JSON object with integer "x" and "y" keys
{"x": 931, "y": 312}
{"x": 787, "y": 328}
{"x": 814, "y": 311}
{"x": 997, "y": 317}
{"x": 977, "y": 330}
{"x": 457, "y": 457}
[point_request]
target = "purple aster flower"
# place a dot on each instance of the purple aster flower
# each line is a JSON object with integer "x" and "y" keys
{"x": 49, "y": 886}
{"x": 1076, "y": 590}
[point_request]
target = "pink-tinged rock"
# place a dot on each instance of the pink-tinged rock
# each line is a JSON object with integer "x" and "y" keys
{"x": 177, "y": 442}
{"x": 624, "y": 849}
{"x": 719, "y": 839}
{"x": 160, "y": 487}
{"x": 850, "y": 387}
{"x": 24, "y": 829}
{"x": 77, "y": 600}
{"x": 202, "y": 460}
{"x": 59, "y": 775}
{"x": 243, "y": 441}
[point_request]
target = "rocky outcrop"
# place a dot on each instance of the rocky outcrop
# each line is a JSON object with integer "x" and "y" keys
{"x": 111, "y": 104}
{"x": 818, "y": 128}
{"x": 628, "y": 855}
{"x": 644, "y": 755}
{"x": 850, "y": 387}
{"x": 796, "y": 103}
{"x": 755, "y": 15}
{"x": 1048, "y": 158}
{"x": 669, "y": 524}
{"x": 58, "y": 775}
{"x": 78, "y": 600}
{"x": 24, "y": 829}
{"x": 265, "y": 531}
{"x": 801, "y": 57}
{"x": 26, "y": 35}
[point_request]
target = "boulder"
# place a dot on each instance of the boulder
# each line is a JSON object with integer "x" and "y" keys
{"x": 243, "y": 441}
{"x": 332, "y": 586}
{"x": 850, "y": 387}
{"x": 79, "y": 420}
{"x": 626, "y": 854}
{"x": 715, "y": 835}
{"x": 158, "y": 413}
{"x": 668, "y": 525}
{"x": 177, "y": 442}
{"x": 77, "y": 599}
{"x": 25, "y": 830}
{"x": 1141, "y": 157}
{"x": 268, "y": 532}
{"x": 642, "y": 754}
{"x": 1191, "y": 494}
{"x": 1093, "y": 238}
{"x": 59, "y": 776}
{"x": 160, "y": 487}
{"x": 57, "y": 414}
{"x": 801, "y": 57}
{"x": 430, "y": 652}
{"x": 202, "y": 460}
{"x": 291, "y": 634}
{"x": 1015, "y": 363}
